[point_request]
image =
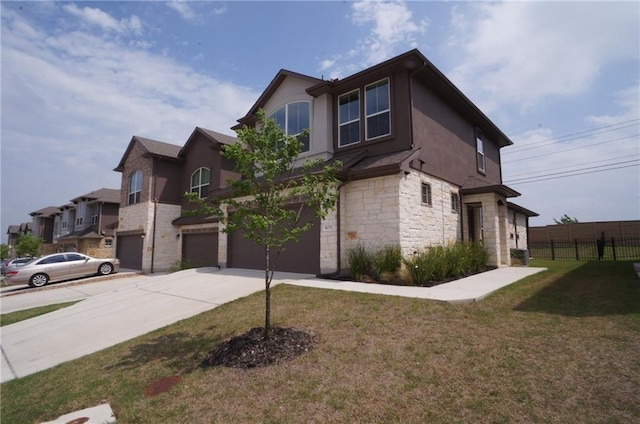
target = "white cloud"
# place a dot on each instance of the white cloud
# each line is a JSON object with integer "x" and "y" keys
{"x": 183, "y": 8}
{"x": 519, "y": 53}
{"x": 71, "y": 101}
{"x": 98, "y": 17}
{"x": 393, "y": 27}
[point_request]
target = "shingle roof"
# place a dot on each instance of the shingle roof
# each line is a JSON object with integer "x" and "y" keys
{"x": 106, "y": 195}
{"x": 46, "y": 212}
{"x": 221, "y": 138}
{"x": 159, "y": 148}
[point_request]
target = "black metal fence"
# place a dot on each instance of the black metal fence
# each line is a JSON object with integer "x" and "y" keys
{"x": 609, "y": 249}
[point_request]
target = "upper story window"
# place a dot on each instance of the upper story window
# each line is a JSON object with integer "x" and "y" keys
{"x": 135, "y": 187}
{"x": 95, "y": 211}
{"x": 79, "y": 213}
{"x": 480, "y": 150}
{"x": 293, "y": 119}
{"x": 455, "y": 203}
{"x": 377, "y": 109}
{"x": 200, "y": 181}
{"x": 349, "y": 118}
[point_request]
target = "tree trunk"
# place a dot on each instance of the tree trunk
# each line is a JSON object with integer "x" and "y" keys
{"x": 267, "y": 284}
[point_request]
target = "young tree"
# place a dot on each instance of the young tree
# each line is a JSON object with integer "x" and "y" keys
{"x": 4, "y": 251}
{"x": 28, "y": 245}
{"x": 265, "y": 157}
{"x": 566, "y": 219}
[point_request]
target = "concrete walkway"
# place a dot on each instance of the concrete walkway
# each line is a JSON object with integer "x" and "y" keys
{"x": 153, "y": 302}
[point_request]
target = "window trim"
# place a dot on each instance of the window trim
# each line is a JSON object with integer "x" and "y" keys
{"x": 358, "y": 119}
{"x": 481, "y": 160}
{"x": 286, "y": 121}
{"x": 388, "y": 110}
{"x": 200, "y": 186}
{"x": 455, "y": 202}
{"x": 429, "y": 195}
{"x": 137, "y": 194}
{"x": 80, "y": 211}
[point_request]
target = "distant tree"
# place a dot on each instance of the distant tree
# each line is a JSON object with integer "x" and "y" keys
{"x": 4, "y": 251}
{"x": 566, "y": 219}
{"x": 266, "y": 158}
{"x": 28, "y": 245}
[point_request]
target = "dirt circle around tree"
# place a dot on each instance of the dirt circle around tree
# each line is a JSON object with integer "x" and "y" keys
{"x": 252, "y": 350}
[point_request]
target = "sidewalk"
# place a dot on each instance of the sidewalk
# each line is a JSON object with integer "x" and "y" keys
{"x": 466, "y": 290}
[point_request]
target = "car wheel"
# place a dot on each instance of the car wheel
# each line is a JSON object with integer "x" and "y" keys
{"x": 38, "y": 280}
{"x": 105, "y": 269}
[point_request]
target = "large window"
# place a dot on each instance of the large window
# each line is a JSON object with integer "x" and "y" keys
{"x": 349, "y": 118}
{"x": 293, "y": 119}
{"x": 95, "y": 211}
{"x": 79, "y": 213}
{"x": 455, "y": 203}
{"x": 426, "y": 194}
{"x": 377, "y": 109}
{"x": 200, "y": 181}
{"x": 135, "y": 187}
{"x": 480, "y": 150}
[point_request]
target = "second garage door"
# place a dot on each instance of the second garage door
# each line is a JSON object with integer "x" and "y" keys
{"x": 303, "y": 256}
{"x": 200, "y": 249}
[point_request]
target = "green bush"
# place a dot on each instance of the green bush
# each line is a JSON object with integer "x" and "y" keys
{"x": 438, "y": 263}
{"x": 387, "y": 261}
{"x": 360, "y": 261}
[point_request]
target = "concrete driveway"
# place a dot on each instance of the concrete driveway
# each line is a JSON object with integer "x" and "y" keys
{"x": 136, "y": 307}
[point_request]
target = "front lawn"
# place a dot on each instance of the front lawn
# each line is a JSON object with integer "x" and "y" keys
{"x": 559, "y": 347}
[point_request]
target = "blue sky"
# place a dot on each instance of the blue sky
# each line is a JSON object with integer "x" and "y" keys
{"x": 79, "y": 79}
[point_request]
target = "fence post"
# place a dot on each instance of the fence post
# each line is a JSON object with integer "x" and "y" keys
{"x": 613, "y": 247}
{"x": 575, "y": 243}
{"x": 553, "y": 252}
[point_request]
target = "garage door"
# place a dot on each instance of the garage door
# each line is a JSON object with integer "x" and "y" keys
{"x": 303, "y": 256}
{"x": 200, "y": 249}
{"x": 129, "y": 251}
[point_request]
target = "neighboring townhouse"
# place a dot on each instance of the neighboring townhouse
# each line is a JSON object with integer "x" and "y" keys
{"x": 152, "y": 235}
{"x": 421, "y": 167}
{"x": 87, "y": 225}
{"x": 42, "y": 222}
{"x": 13, "y": 234}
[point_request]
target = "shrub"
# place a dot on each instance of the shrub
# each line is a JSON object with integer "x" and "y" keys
{"x": 360, "y": 261}
{"x": 387, "y": 261}
{"x": 438, "y": 263}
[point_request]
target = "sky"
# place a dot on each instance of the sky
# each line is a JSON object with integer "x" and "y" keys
{"x": 79, "y": 79}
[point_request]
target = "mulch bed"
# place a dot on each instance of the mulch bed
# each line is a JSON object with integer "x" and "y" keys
{"x": 251, "y": 350}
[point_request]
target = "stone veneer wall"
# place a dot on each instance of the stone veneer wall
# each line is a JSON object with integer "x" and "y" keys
{"x": 388, "y": 210}
{"x": 329, "y": 243}
{"x": 370, "y": 213}
{"x": 494, "y": 225}
{"x": 423, "y": 225}
{"x": 517, "y": 230}
{"x": 139, "y": 217}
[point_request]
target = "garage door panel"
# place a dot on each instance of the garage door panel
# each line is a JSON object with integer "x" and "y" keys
{"x": 303, "y": 256}
{"x": 129, "y": 251}
{"x": 200, "y": 249}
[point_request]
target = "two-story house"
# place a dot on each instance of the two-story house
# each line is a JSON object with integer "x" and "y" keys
{"x": 88, "y": 223}
{"x": 421, "y": 168}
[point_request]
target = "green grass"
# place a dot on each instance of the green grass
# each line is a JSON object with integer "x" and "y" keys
{"x": 13, "y": 317}
{"x": 558, "y": 347}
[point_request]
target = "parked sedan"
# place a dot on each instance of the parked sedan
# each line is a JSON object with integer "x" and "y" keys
{"x": 13, "y": 263}
{"x": 60, "y": 266}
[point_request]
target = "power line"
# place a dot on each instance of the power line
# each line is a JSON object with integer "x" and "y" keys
{"x": 571, "y": 166}
{"x": 574, "y": 170}
{"x": 574, "y": 175}
{"x": 574, "y": 148}
{"x": 558, "y": 138}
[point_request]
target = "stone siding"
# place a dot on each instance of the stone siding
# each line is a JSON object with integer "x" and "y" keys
{"x": 168, "y": 246}
{"x": 329, "y": 243}
{"x": 517, "y": 230}
{"x": 423, "y": 225}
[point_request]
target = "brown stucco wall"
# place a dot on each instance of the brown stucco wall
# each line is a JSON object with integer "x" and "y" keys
{"x": 446, "y": 138}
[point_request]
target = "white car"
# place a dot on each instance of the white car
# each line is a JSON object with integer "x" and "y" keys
{"x": 59, "y": 267}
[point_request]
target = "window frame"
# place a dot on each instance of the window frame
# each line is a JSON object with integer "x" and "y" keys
{"x": 481, "y": 160}
{"x": 95, "y": 212}
{"x": 306, "y": 146}
{"x": 427, "y": 192}
{"x": 80, "y": 211}
{"x": 455, "y": 202}
{"x": 135, "y": 196}
{"x": 199, "y": 187}
{"x": 377, "y": 113}
{"x": 358, "y": 119}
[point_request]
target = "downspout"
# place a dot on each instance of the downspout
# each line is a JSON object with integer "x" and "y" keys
{"x": 515, "y": 227}
{"x": 155, "y": 215}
